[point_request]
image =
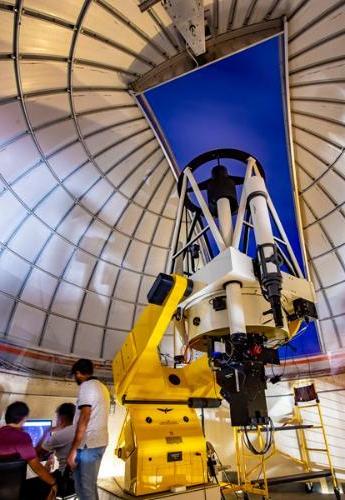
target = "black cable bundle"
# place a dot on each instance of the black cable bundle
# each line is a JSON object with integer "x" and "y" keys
{"x": 269, "y": 430}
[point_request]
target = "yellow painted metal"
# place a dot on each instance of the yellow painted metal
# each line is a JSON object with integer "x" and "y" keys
{"x": 161, "y": 442}
{"x": 304, "y": 449}
{"x": 247, "y": 476}
{"x": 150, "y": 436}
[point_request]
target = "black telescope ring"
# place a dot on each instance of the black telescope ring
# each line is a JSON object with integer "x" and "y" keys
{"x": 214, "y": 154}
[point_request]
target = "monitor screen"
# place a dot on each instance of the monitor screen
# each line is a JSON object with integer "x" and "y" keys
{"x": 37, "y": 429}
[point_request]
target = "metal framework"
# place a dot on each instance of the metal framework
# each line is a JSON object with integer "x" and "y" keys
{"x": 254, "y": 21}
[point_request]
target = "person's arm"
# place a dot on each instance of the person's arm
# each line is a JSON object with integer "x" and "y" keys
{"x": 41, "y": 450}
{"x": 84, "y": 417}
{"x": 42, "y": 473}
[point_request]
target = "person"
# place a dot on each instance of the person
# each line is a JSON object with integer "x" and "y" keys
{"x": 16, "y": 443}
{"x": 60, "y": 438}
{"x": 91, "y": 430}
{"x": 59, "y": 441}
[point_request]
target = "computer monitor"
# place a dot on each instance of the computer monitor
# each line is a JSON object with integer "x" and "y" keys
{"x": 37, "y": 429}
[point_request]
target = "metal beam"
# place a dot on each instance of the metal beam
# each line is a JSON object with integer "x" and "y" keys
{"x": 328, "y": 305}
{"x": 110, "y": 9}
{"x": 317, "y": 64}
{"x": 319, "y": 136}
{"x": 147, "y": 4}
{"x": 319, "y": 117}
{"x": 325, "y": 232}
{"x": 216, "y": 47}
{"x": 316, "y": 20}
{"x": 6, "y": 248}
{"x": 95, "y": 267}
{"x": 319, "y": 43}
{"x": 329, "y": 81}
{"x": 329, "y": 167}
{"x": 54, "y": 313}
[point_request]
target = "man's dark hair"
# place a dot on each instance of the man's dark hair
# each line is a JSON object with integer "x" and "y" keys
{"x": 66, "y": 410}
{"x": 15, "y": 412}
{"x": 84, "y": 366}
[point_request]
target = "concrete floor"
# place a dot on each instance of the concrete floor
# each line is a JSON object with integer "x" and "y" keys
{"x": 289, "y": 495}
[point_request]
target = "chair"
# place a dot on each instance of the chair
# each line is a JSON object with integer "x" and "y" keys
{"x": 66, "y": 489}
{"x": 12, "y": 477}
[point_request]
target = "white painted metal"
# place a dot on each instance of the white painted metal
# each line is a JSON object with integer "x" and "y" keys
{"x": 188, "y": 17}
{"x": 235, "y": 308}
{"x": 255, "y": 187}
{"x": 242, "y": 206}
{"x": 202, "y": 203}
{"x": 225, "y": 220}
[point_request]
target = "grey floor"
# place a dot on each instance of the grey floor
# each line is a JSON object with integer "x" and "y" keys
{"x": 287, "y": 495}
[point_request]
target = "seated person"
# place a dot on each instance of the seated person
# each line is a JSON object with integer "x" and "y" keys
{"x": 59, "y": 441}
{"x": 16, "y": 443}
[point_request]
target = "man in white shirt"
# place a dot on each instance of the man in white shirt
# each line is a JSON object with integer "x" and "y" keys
{"x": 91, "y": 430}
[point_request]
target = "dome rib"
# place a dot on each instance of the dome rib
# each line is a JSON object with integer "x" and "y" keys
{"x": 90, "y": 199}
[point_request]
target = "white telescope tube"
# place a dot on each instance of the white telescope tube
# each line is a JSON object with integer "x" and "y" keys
{"x": 237, "y": 322}
{"x": 225, "y": 220}
{"x": 256, "y": 190}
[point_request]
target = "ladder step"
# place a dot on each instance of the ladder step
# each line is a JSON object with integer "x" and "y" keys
{"x": 294, "y": 477}
{"x": 317, "y": 449}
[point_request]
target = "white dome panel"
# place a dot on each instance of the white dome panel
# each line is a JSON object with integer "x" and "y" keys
{"x": 28, "y": 156}
{"x": 145, "y": 230}
{"x": 26, "y": 324}
{"x": 47, "y": 110}
{"x": 12, "y": 271}
{"x": 108, "y": 25}
{"x": 102, "y": 51}
{"x": 88, "y": 341}
{"x": 94, "y": 308}
{"x": 35, "y": 185}
{"x": 8, "y": 81}
{"x": 103, "y": 278}
{"x": 6, "y": 307}
{"x": 300, "y": 38}
{"x": 56, "y": 136}
{"x": 58, "y": 334}
{"x": 55, "y": 207}
{"x": 100, "y": 99}
{"x": 69, "y": 161}
{"x": 6, "y": 34}
{"x": 42, "y": 37}
{"x": 12, "y": 214}
{"x": 64, "y": 9}
{"x": 88, "y": 200}
{"x": 79, "y": 268}
{"x": 113, "y": 341}
{"x": 120, "y": 315}
{"x": 28, "y": 242}
{"x": 39, "y": 75}
{"x": 13, "y": 124}
{"x": 56, "y": 255}
{"x": 39, "y": 288}
{"x": 127, "y": 285}
{"x": 67, "y": 300}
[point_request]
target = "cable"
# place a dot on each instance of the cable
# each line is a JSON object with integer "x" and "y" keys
{"x": 269, "y": 430}
{"x": 229, "y": 483}
{"x": 191, "y": 55}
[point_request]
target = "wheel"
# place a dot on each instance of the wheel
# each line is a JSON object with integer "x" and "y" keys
{"x": 308, "y": 487}
{"x": 337, "y": 494}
